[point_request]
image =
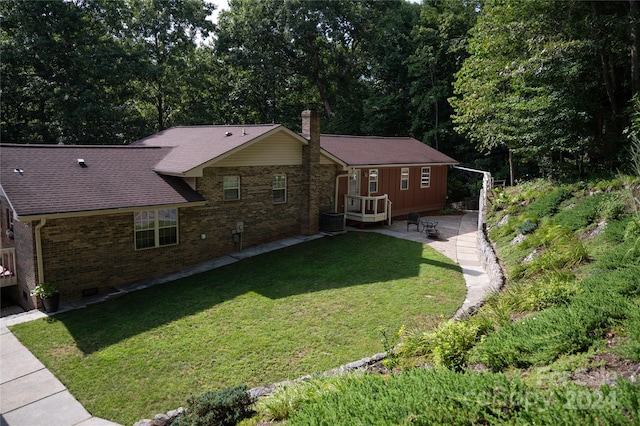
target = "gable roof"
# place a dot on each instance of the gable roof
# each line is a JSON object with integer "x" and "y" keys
{"x": 196, "y": 146}
{"x": 51, "y": 180}
{"x": 382, "y": 151}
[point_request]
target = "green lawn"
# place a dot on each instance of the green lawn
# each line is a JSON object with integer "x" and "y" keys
{"x": 281, "y": 315}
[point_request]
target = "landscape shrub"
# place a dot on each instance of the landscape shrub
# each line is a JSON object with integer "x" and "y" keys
{"x": 225, "y": 407}
{"x": 619, "y": 256}
{"x": 560, "y": 249}
{"x": 630, "y": 347}
{"x": 547, "y": 204}
{"x": 287, "y": 399}
{"x": 552, "y": 289}
{"x": 632, "y": 231}
{"x": 603, "y": 303}
{"x": 446, "y": 346}
{"x": 582, "y": 214}
{"x": 615, "y": 230}
{"x": 527, "y": 227}
{"x": 441, "y": 396}
{"x": 611, "y": 207}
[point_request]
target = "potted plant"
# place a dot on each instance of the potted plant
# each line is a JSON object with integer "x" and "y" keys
{"x": 49, "y": 294}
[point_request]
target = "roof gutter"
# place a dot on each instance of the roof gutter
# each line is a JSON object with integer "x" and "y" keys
{"x": 39, "y": 226}
{"x": 83, "y": 213}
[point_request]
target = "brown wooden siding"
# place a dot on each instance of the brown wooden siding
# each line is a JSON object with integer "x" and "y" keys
{"x": 404, "y": 201}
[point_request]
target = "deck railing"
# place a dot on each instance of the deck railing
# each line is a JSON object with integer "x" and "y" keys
{"x": 368, "y": 209}
{"x": 8, "y": 267}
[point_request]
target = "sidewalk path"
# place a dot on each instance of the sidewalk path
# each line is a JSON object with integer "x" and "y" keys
{"x": 31, "y": 396}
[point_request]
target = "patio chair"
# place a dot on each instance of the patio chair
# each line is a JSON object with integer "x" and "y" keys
{"x": 430, "y": 228}
{"x": 413, "y": 218}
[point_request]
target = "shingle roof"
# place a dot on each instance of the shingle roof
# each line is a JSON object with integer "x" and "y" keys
{"x": 369, "y": 150}
{"x": 196, "y": 145}
{"x": 52, "y": 181}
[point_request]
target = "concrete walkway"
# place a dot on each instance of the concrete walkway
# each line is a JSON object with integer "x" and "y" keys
{"x": 31, "y": 396}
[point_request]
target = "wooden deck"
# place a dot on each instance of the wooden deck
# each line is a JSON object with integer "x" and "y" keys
{"x": 8, "y": 267}
{"x": 368, "y": 209}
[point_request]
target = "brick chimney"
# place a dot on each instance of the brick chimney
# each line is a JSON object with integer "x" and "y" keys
{"x": 310, "y": 209}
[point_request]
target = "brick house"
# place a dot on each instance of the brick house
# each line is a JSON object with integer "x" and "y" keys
{"x": 94, "y": 217}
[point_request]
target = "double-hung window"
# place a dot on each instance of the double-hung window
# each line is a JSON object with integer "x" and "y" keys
{"x": 279, "y": 188}
{"x": 156, "y": 228}
{"x": 373, "y": 181}
{"x": 425, "y": 177}
{"x": 231, "y": 188}
{"x": 404, "y": 179}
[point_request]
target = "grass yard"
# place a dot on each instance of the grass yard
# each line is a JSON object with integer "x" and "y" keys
{"x": 281, "y": 315}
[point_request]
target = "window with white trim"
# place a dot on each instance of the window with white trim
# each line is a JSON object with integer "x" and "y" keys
{"x": 155, "y": 228}
{"x": 279, "y": 189}
{"x": 231, "y": 188}
{"x": 404, "y": 178}
{"x": 425, "y": 177}
{"x": 373, "y": 181}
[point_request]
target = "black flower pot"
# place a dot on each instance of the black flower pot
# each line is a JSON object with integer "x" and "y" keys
{"x": 51, "y": 304}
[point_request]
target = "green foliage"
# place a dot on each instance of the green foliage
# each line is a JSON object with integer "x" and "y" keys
{"x": 611, "y": 208}
{"x": 548, "y": 204}
{"x": 45, "y": 290}
{"x": 440, "y": 396}
{"x": 583, "y": 213}
{"x": 632, "y": 231}
{"x": 225, "y": 407}
{"x": 287, "y": 399}
{"x": 552, "y": 289}
{"x": 602, "y": 303}
{"x": 446, "y": 346}
{"x": 527, "y": 227}
{"x": 560, "y": 249}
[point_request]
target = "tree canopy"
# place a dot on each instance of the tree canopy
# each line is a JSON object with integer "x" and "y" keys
{"x": 550, "y": 82}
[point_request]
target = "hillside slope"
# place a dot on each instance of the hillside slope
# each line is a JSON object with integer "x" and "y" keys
{"x": 560, "y": 344}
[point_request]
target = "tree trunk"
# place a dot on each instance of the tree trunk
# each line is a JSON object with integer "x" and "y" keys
{"x": 511, "y": 167}
{"x": 633, "y": 38}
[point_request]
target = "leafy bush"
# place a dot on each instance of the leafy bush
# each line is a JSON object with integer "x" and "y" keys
{"x": 225, "y": 407}
{"x": 527, "y": 227}
{"x": 552, "y": 289}
{"x": 446, "y": 346}
{"x": 547, "y": 204}
{"x": 287, "y": 399}
{"x": 632, "y": 231}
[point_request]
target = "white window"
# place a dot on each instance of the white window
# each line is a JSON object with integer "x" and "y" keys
{"x": 231, "y": 187}
{"x": 373, "y": 181}
{"x": 404, "y": 178}
{"x": 279, "y": 188}
{"x": 156, "y": 228}
{"x": 425, "y": 177}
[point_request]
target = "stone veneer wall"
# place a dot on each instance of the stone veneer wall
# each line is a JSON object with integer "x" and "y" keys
{"x": 485, "y": 249}
{"x": 98, "y": 252}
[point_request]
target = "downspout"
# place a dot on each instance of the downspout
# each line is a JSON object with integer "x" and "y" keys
{"x": 43, "y": 221}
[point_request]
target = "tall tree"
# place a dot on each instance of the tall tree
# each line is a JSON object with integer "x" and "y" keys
{"x": 64, "y": 75}
{"x": 441, "y": 38}
{"x": 540, "y": 81}
{"x": 165, "y": 34}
